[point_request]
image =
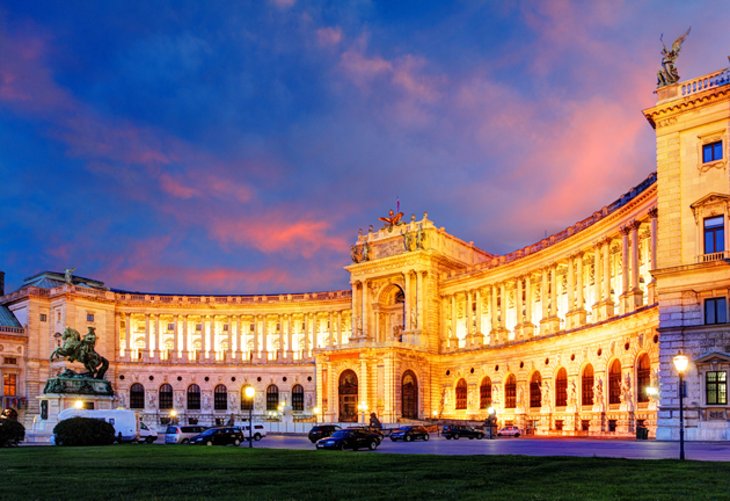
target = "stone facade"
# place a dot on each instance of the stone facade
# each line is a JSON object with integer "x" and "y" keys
{"x": 562, "y": 337}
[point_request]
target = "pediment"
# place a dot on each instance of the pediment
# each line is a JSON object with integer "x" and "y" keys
{"x": 709, "y": 199}
{"x": 713, "y": 357}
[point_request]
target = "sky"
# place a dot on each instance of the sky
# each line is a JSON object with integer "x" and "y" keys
{"x": 231, "y": 147}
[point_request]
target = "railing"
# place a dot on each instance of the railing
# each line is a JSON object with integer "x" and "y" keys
{"x": 11, "y": 330}
{"x": 713, "y": 256}
{"x": 716, "y": 79}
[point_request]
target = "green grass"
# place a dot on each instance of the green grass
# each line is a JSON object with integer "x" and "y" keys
{"x": 185, "y": 472}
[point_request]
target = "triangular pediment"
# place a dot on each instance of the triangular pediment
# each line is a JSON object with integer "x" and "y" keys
{"x": 711, "y": 198}
{"x": 713, "y": 356}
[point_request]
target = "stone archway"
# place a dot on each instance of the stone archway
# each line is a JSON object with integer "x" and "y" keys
{"x": 391, "y": 313}
{"x": 347, "y": 393}
{"x": 409, "y": 395}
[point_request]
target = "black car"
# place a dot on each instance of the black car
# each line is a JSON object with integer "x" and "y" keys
{"x": 228, "y": 435}
{"x": 409, "y": 433}
{"x": 456, "y": 431}
{"x": 321, "y": 431}
{"x": 376, "y": 432}
{"x": 349, "y": 439}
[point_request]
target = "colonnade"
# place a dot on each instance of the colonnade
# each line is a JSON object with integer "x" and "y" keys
{"x": 229, "y": 337}
{"x": 586, "y": 286}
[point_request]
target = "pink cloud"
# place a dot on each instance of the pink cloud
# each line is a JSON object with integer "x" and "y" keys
{"x": 279, "y": 231}
{"x": 283, "y": 4}
{"x": 329, "y": 36}
{"x": 175, "y": 188}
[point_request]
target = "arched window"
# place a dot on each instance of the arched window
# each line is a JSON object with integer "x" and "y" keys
{"x": 561, "y": 388}
{"x": 136, "y": 396}
{"x": 194, "y": 397}
{"x": 586, "y": 394}
{"x": 297, "y": 398}
{"x": 536, "y": 390}
{"x": 510, "y": 392}
{"x": 643, "y": 378}
{"x": 165, "y": 396}
{"x": 246, "y": 404}
{"x": 220, "y": 397}
{"x": 614, "y": 383}
{"x": 485, "y": 393}
{"x": 461, "y": 394}
{"x": 272, "y": 397}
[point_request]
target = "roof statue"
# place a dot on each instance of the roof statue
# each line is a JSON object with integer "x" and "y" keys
{"x": 668, "y": 73}
{"x": 394, "y": 217}
{"x": 68, "y": 275}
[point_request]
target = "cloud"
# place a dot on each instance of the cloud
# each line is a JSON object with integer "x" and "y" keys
{"x": 283, "y": 4}
{"x": 329, "y": 36}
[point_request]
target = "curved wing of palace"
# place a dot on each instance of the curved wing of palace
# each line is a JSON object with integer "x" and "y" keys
{"x": 572, "y": 335}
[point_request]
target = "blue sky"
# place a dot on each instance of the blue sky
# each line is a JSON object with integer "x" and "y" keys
{"x": 237, "y": 147}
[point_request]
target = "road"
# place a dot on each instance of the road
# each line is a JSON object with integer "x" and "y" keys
{"x": 631, "y": 449}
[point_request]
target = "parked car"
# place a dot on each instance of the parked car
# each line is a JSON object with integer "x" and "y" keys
{"x": 224, "y": 435}
{"x": 376, "y": 432}
{"x": 349, "y": 439}
{"x": 457, "y": 431}
{"x": 176, "y": 434}
{"x": 258, "y": 431}
{"x": 322, "y": 431}
{"x": 509, "y": 431}
{"x": 409, "y": 433}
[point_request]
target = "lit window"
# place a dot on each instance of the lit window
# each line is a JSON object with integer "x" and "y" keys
{"x": 643, "y": 378}
{"x": 461, "y": 394}
{"x": 714, "y": 234}
{"x": 10, "y": 385}
{"x": 170, "y": 327}
{"x": 712, "y": 152}
{"x": 510, "y": 392}
{"x": 716, "y": 310}
{"x": 561, "y": 389}
{"x": 587, "y": 386}
{"x": 272, "y": 397}
{"x": 90, "y": 317}
{"x": 716, "y": 387}
{"x": 485, "y": 393}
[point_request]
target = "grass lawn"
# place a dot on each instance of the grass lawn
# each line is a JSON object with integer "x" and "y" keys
{"x": 186, "y": 472}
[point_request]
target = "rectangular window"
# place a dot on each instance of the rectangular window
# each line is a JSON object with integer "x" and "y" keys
{"x": 10, "y": 361}
{"x": 10, "y": 385}
{"x": 712, "y": 152}
{"x": 225, "y": 327}
{"x": 89, "y": 317}
{"x": 716, "y": 387}
{"x": 44, "y": 317}
{"x": 198, "y": 327}
{"x": 170, "y": 327}
{"x": 716, "y": 310}
{"x": 714, "y": 234}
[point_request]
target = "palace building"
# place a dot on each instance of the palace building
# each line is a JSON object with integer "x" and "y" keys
{"x": 572, "y": 335}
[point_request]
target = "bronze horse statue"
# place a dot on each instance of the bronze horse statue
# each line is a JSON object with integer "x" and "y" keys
{"x": 75, "y": 348}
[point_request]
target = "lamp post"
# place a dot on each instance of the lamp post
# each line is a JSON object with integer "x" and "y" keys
{"x": 491, "y": 417}
{"x": 249, "y": 394}
{"x": 680, "y": 364}
{"x": 173, "y": 416}
{"x": 316, "y": 412}
{"x": 363, "y": 407}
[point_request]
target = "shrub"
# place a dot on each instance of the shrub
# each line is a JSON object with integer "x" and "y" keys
{"x": 11, "y": 432}
{"x": 83, "y": 431}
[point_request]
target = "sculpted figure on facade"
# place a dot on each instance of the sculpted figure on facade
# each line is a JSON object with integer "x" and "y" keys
{"x": 151, "y": 399}
{"x": 598, "y": 393}
{"x": 545, "y": 394}
{"x": 68, "y": 275}
{"x": 626, "y": 391}
{"x": 572, "y": 395}
{"x": 668, "y": 73}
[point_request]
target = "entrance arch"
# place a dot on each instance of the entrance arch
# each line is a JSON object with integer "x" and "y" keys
{"x": 409, "y": 395}
{"x": 347, "y": 391}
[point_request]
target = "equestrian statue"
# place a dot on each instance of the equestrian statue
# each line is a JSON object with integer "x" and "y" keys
{"x": 75, "y": 348}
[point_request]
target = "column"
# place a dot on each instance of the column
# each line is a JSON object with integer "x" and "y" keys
{"x": 185, "y": 338}
{"x": 529, "y": 328}
{"x": 339, "y": 329}
{"x": 597, "y": 276}
{"x": 420, "y": 297}
{"x": 502, "y": 305}
{"x": 519, "y": 304}
{"x": 280, "y": 322}
{"x": 158, "y": 337}
{"x": 307, "y": 322}
{"x": 625, "y": 259}
{"x": 544, "y": 295}
{"x": 653, "y": 213}
{"x": 233, "y": 327}
{"x": 147, "y": 336}
{"x": 128, "y": 328}
{"x": 364, "y": 309}
{"x": 453, "y": 339}
{"x": 495, "y": 314}
{"x": 176, "y": 340}
{"x": 407, "y": 300}
{"x": 355, "y": 314}
{"x": 255, "y": 333}
{"x": 468, "y": 318}
{"x": 571, "y": 283}
{"x": 289, "y": 336}
{"x": 265, "y": 337}
{"x": 479, "y": 331}
{"x": 606, "y": 296}
{"x": 580, "y": 293}
{"x": 554, "y": 291}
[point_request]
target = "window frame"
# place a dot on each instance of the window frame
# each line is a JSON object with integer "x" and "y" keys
{"x": 485, "y": 393}
{"x": 587, "y": 380}
{"x": 643, "y": 378}
{"x": 136, "y": 396}
{"x": 272, "y": 397}
{"x": 713, "y": 148}
{"x": 510, "y": 392}
{"x": 193, "y": 397}
{"x": 297, "y": 398}
{"x": 561, "y": 388}
{"x": 220, "y": 398}
{"x": 165, "y": 394}
{"x": 461, "y": 395}
{"x": 717, "y": 232}
{"x": 717, "y": 308}
{"x": 719, "y": 388}
{"x": 10, "y": 384}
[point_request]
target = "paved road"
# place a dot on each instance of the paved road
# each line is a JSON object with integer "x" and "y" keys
{"x": 632, "y": 449}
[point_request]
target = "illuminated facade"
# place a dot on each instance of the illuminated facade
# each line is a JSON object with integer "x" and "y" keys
{"x": 562, "y": 337}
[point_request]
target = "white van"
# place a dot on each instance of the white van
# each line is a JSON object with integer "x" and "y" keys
{"x": 126, "y": 423}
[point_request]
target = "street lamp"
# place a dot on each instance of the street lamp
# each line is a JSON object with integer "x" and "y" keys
{"x": 249, "y": 393}
{"x": 363, "y": 407}
{"x": 491, "y": 417}
{"x": 79, "y": 404}
{"x": 173, "y": 416}
{"x": 316, "y": 412}
{"x": 680, "y": 364}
